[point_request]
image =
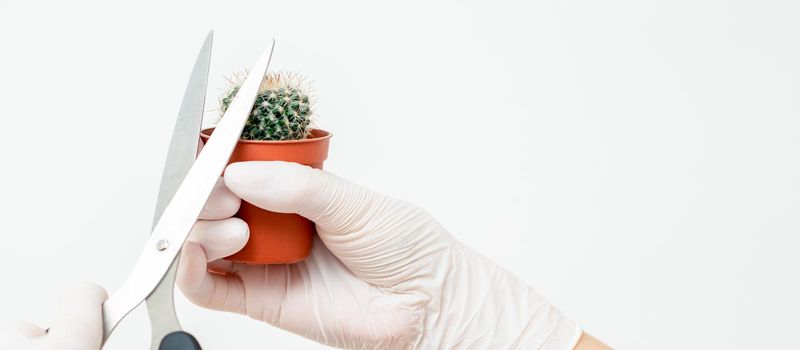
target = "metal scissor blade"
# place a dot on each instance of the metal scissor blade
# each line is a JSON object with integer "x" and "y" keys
{"x": 180, "y": 157}
{"x": 185, "y": 137}
{"x": 182, "y": 211}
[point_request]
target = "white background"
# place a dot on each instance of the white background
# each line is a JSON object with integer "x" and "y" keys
{"x": 635, "y": 161}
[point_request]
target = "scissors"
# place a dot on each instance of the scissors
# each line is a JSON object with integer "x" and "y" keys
{"x": 186, "y": 183}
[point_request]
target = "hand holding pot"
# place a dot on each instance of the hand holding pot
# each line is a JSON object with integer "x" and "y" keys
{"x": 382, "y": 273}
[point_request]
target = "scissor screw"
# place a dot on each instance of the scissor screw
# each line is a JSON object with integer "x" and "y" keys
{"x": 162, "y": 245}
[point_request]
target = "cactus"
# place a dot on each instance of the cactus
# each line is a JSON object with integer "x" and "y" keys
{"x": 282, "y": 109}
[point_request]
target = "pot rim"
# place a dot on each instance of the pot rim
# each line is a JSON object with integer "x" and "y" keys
{"x": 324, "y": 136}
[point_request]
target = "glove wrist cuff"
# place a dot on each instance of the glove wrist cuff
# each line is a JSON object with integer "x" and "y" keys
{"x": 549, "y": 329}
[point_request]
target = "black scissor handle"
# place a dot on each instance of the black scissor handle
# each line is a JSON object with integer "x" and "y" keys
{"x": 179, "y": 340}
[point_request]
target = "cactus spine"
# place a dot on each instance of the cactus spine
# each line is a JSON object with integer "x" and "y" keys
{"x": 282, "y": 109}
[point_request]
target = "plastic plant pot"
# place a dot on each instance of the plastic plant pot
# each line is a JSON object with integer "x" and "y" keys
{"x": 277, "y": 238}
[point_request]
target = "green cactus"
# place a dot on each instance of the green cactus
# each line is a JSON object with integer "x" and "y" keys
{"x": 282, "y": 110}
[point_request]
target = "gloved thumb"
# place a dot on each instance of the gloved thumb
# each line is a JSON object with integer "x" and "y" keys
{"x": 285, "y": 187}
{"x": 79, "y": 318}
{"x": 383, "y": 241}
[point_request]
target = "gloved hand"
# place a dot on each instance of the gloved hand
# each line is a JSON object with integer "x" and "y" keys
{"x": 78, "y": 324}
{"x": 382, "y": 273}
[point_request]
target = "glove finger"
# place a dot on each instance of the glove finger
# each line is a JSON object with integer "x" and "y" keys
{"x": 285, "y": 187}
{"x": 220, "y": 238}
{"x": 225, "y": 293}
{"x": 221, "y": 204}
{"x": 79, "y": 320}
{"x": 221, "y": 266}
{"x": 382, "y": 240}
{"x": 21, "y": 329}
{"x": 18, "y": 334}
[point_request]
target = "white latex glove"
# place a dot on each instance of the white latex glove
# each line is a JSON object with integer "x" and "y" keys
{"x": 78, "y": 324}
{"x": 382, "y": 273}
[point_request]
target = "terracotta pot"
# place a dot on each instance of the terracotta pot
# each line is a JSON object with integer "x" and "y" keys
{"x": 277, "y": 238}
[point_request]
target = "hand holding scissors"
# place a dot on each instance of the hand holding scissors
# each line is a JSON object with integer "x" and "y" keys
{"x": 187, "y": 182}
